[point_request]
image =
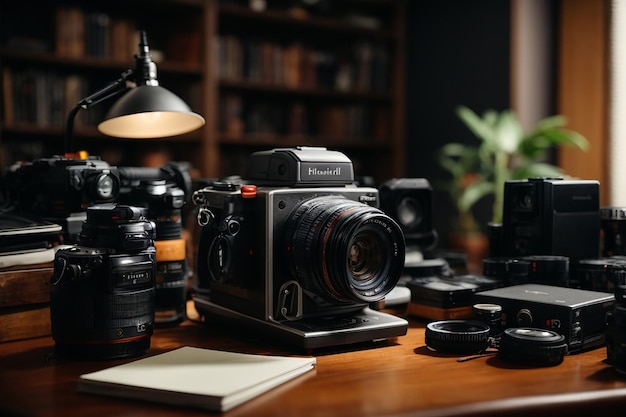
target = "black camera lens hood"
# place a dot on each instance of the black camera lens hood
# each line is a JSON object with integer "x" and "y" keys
{"x": 531, "y": 346}
{"x": 462, "y": 337}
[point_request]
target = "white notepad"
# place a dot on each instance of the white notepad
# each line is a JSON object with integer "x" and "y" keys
{"x": 195, "y": 377}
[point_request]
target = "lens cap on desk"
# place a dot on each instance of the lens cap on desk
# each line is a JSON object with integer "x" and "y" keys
{"x": 457, "y": 336}
{"x": 530, "y": 346}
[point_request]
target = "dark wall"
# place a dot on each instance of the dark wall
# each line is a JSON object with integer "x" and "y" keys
{"x": 458, "y": 54}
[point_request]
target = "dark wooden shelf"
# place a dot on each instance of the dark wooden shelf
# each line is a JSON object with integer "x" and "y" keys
{"x": 276, "y": 140}
{"x": 50, "y": 59}
{"x": 311, "y": 23}
{"x": 313, "y": 92}
{"x": 189, "y": 69}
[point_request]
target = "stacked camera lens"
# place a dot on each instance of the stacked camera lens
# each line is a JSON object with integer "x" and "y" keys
{"x": 163, "y": 202}
{"x": 613, "y": 221}
{"x": 537, "y": 269}
{"x": 102, "y": 296}
{"x": 616, "y": 321}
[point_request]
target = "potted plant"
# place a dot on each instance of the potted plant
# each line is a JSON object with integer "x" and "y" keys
{"x": 504, "y": 152}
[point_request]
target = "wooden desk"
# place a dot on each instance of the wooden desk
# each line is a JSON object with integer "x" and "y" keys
{"x": 399, "y": 377}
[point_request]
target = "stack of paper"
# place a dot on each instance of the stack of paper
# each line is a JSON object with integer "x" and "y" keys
{"x": 195, "y": 377}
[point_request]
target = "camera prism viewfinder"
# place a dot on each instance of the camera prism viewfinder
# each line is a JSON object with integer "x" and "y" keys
{"x": 303, "y": 166}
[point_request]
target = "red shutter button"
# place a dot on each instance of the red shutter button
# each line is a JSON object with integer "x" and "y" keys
{"x": 248, "y": 191}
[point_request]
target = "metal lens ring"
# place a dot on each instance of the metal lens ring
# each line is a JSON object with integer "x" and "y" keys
{"x": 463, "y": 337}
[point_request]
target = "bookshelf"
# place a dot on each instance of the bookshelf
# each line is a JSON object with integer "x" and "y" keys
{"x": 264, "y": 74}
{"x": 56, "y": 53}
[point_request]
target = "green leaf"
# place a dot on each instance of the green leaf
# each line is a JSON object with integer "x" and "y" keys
{"x": 567, "y": 137}
{"x": 508, "y": 133}
{"x": 551, "y": 122}
{"x": 473, "y": 193}
{"x": 458, "y": 158}
{"x": 482, "y": 129}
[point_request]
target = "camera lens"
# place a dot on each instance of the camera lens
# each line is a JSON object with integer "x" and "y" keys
{"x": 103, "y": 290}
{"x": 548, "y": 270}
{"x": 105, "y": 186}
{"x": 613, "y": 220}
{"x": 524, "y": 198}
{"x": 491, "y": 315}
{"x": 343, "y": 250}
{"x": 511, "y": 271}
{"x": 364, "y": 258}
{"x": 409, "y": 212}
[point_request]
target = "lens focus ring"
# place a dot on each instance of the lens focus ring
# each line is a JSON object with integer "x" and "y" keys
{"x": 457, "y": 336}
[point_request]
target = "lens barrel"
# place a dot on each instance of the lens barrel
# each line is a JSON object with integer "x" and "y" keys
{"x": 344, "y": 250}
{"x": 102, "y": 300}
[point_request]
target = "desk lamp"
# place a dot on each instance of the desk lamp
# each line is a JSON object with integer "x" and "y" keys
{"x": 145, "y": 111}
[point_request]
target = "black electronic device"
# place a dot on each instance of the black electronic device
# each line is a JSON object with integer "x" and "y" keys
{"x": 579, "y": 315}
{"x": 302, "y": 257}
{"x": 60, "y": 189}
{"x": 446, "y": 297}
{"x": 409, "y": 202}
{"x": 551, "y": 216}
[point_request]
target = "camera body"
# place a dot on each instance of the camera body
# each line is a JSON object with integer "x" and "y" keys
{"x": 102, "y": 295}
{"x": 409, "y": 202}
{"x": 302, "y": 254}
{"x": 551, "y": 216}
{"x": 59, "y": 189}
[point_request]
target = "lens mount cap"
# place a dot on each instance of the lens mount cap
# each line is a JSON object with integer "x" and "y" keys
{"x": 532, "y": 346}
{"x": 462, "y": 337}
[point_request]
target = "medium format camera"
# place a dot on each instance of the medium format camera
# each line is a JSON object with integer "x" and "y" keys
{"x": 546, "y": 216}
{"x": 102, "y": 296}
{"x": 59, "y": 189}
{"x": 298, "y": 251}
{"x": 163, "y": 192}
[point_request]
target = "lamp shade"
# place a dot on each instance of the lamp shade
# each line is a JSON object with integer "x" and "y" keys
{"x": 149, "y": 111}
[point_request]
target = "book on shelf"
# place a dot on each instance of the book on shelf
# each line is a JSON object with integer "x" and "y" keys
{"x": 361, "y": 67}
{"x": 94, "y": 33}
{"x": 200, "y": 378}
{"x": 70, "y": 31}
{"x": 41, "y": 97}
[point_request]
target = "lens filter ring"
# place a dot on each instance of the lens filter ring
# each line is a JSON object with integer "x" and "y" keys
{"x": 462, "y": 337}
{"x": 531, "y": 346}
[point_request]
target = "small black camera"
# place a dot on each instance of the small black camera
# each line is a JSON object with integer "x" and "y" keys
{"x": 102, "y": 295}
{"x": 551, "y": 216}
{"x": 298, "y": 250}
{"x": 59, "y": 189}
{"x": 409, "y": 202}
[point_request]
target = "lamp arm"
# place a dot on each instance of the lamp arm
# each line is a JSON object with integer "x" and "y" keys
{"x": 113, "y": 89}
